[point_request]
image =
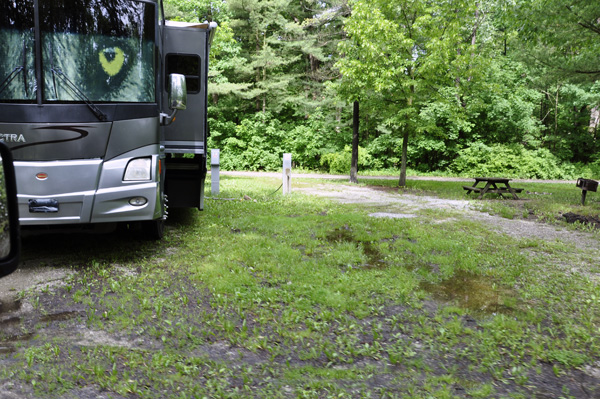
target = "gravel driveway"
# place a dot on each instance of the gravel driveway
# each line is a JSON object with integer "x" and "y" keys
{"x": 408, "y": 205}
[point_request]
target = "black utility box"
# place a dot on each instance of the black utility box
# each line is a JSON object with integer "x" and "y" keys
{"x": 587, "y": 184}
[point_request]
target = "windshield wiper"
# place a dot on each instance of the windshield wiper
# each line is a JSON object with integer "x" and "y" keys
{"x": 79, "y": 94}
{"x": 11, "y": 76}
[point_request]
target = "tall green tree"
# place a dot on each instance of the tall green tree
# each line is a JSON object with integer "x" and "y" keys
{"x": 403, "y": 52}
{"x": 563, "y": 35}
{"x": 280, "y": 41}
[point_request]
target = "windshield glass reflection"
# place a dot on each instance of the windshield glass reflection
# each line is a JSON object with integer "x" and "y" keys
{"x": 106, "y": 48}
{"x": 17, "y": 63}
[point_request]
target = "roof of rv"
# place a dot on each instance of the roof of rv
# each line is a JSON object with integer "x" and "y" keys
{"x": 199, "y": 25}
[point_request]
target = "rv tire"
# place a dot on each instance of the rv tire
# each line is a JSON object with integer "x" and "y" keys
{"x": 154, "y": 229}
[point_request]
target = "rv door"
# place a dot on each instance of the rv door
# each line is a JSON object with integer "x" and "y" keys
{"x": 185, "y": 52}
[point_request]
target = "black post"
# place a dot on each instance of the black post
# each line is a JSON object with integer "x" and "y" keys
{"x": 354, "y": 161}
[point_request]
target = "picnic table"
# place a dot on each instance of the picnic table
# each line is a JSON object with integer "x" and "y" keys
{"x": 496, "y": 185}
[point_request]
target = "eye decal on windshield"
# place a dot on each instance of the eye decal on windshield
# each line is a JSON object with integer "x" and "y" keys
{"x": 112, "y": 60}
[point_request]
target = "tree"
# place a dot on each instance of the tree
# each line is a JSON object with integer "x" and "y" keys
{"x": 402, "y": 52}
{"x": 561, "y": 39}
{"x": 279, "y": 42}
{"x": 562, "y": 35}
{"x": 194, "y": 10}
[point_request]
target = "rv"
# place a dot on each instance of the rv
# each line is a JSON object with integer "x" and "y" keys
{"x": 103, "y": 105}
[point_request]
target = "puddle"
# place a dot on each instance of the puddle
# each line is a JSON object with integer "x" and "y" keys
{"x": 374, "y": 257}
{"x": 473, "y": 292}
{"x": 6, "y": 349}
{"x": 61, "y": 316}
{"x": 10, "y": 320}
{"x": 467, "y": 290}
{"x": 7, "y": 307}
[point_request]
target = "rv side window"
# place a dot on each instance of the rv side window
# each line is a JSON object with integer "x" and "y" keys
{"x": 187, "y": 65}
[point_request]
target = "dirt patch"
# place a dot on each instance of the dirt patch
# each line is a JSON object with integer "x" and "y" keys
{"x": 571, "y": 217}
{"x": 28, "y": 276}
{"x": 399, "y": 205}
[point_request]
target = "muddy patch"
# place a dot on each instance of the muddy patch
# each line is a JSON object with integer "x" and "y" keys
{"x": 344, "y": 235}
{"x": 474, "y": 292}
{"x": 27, "y": 277}
{"x": 9, "y": 306}
{"x": 571, "y": 217}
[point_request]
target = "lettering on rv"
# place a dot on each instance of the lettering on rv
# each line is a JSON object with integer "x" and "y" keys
{"x": 12, "y": 138}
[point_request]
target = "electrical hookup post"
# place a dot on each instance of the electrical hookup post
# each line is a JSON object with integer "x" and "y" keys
{"x": 215, "y": 162}
{"x": 287, "y": 174}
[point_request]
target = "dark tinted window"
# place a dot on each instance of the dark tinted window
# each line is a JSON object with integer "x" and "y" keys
{"x": 188, "y": 65}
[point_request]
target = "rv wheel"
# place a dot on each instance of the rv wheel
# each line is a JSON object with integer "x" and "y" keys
{"x": 154, "y": 229}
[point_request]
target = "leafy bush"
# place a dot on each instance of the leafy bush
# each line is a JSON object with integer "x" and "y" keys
{"x": 588, "y": 171}
{"x": 385, "y": 151}
{"x": 254, "y": 144}
{"x": 259, "y": 141}
{"x": 510, "y": 161}
{"x": 309, "y": 140}
{"x": 339, "y": 162}
{"x": 428, "y": 154}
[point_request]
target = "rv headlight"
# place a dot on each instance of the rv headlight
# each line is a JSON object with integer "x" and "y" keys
{"x": 138, "y": 169}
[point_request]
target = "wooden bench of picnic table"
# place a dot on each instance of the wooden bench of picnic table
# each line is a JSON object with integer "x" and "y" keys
{"x": 491, "y": 186}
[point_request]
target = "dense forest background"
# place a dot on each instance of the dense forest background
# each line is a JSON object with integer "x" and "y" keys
{"x": 465, "y": 87}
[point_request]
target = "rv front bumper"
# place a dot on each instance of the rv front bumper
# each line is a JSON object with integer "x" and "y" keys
{"x": 135, "y": 202}
{"x": 86, "y": 191}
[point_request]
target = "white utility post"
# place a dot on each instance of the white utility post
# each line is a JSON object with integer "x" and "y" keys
{"x": 215, "y": 155}
{"x": 287, "y": 174}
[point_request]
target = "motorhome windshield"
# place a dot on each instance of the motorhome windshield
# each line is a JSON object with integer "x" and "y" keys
{"x": 103, "y": 50}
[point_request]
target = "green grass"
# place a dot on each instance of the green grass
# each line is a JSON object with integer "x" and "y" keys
{"x": 296, "y": 296}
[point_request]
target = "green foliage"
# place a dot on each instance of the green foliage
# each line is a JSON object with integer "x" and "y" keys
{"x": 385, "y": 150}
{"x": 194, "y": 10}
{"x": 431, "y": 153}
{"x": 489, "y": 74}
{"x": 510, "y": 161}
{"x": 588, "y": 170}
{"x": 402, "y": 54}
{"x": 562, "y": 36}
{"x": 254, "y": 144}
{"x": 339, "y": 162}
{"x": 310, "y": 139}
{"x": 258, "y": 142}
{"x": 505, "y": 109}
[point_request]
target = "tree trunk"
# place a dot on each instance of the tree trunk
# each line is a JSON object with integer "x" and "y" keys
{"x": 406, "y": 130}
{"x": 354, "y": 162}
{"x": 402, "y": 181}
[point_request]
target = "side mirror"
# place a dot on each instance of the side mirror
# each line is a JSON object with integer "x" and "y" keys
{"x": 10, "y": 240}
{"x": 177, "y": 98}
{"x": 177, "y": 91}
